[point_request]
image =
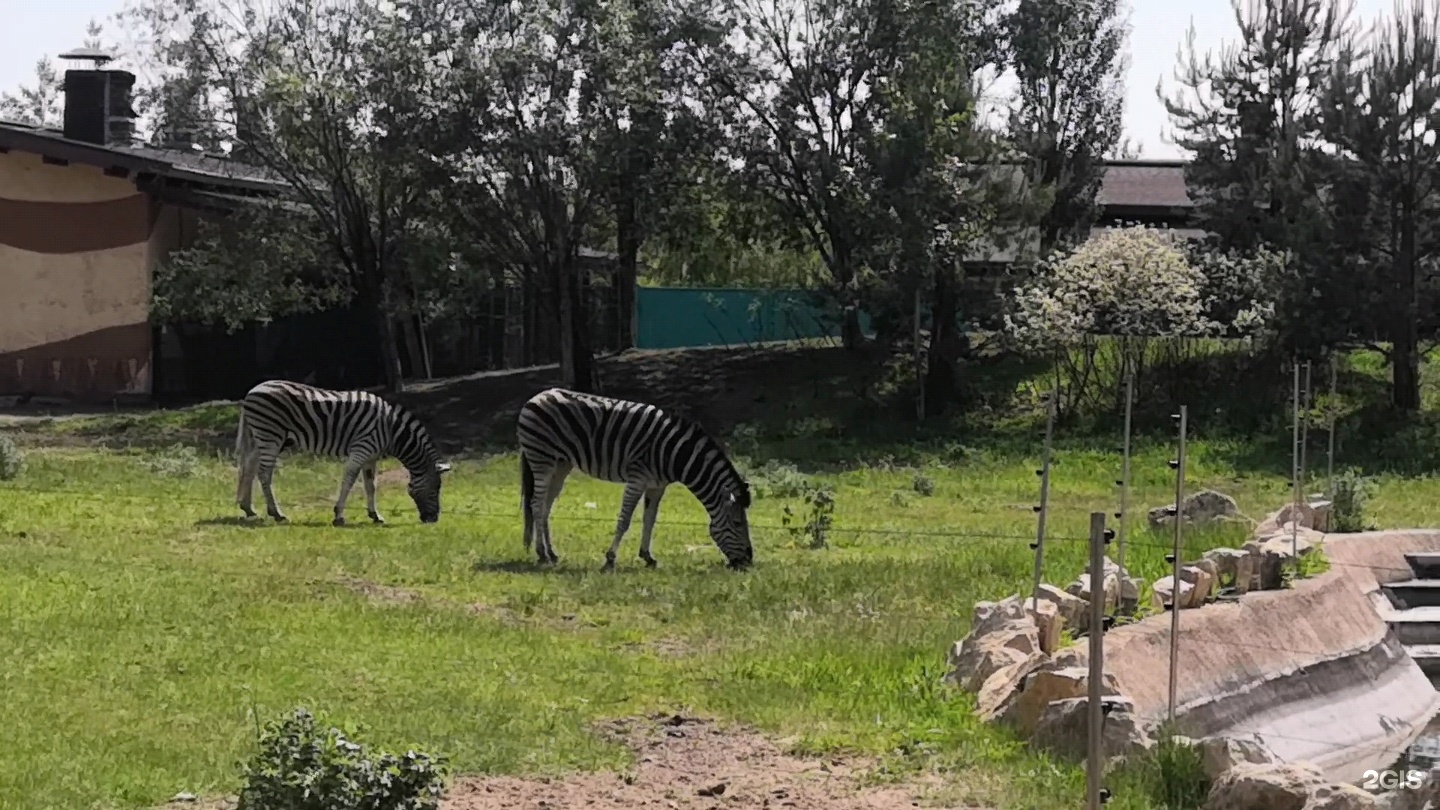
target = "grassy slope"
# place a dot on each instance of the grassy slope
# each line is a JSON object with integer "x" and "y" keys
{"x": 145, "y": 628}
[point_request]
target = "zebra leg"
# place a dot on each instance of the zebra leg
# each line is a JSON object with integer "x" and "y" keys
{"x": 628, "y": 503}
{"x": 267, "y": 475}
{"x": 554, "y": 483}
{"x": 371, "y": 509}
{"x": 647, "y": 528}
{"x": 347, "y": 482}
{"x": 245, "y": 489}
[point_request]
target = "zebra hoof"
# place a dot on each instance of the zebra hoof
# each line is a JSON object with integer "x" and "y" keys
{"x": 375, "y": 518}
{"x": 338, "y": 521}
{"x": 280, "y": 518}
{"x": 649, "y": 562}
{"x": 609, "y": 565}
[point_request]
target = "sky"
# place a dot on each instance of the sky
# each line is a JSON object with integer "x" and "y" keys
{"x": 36, "y": 28}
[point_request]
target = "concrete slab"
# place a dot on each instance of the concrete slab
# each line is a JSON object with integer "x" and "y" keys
{"x": 1425, "y": 564}
{"x": 1414, "y": 593}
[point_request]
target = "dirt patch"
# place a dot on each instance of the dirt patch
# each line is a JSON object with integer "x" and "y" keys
{"x": 384, "y": 594}
{"x": 399, "y": 475}
{"x": 683, "y": 763}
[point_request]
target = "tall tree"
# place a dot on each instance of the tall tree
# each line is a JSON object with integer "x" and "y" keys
{"x": 1250, "y": 118}
{"x": 1383, "y": 113}
{"x": 795, "y": 83}
{"x": 1070, "y": 64}
{"x": 176, "y": 96}
{"x": 304, "y": 82}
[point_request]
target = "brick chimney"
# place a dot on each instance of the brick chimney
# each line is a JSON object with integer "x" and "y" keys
{"x": 98, "y": 102}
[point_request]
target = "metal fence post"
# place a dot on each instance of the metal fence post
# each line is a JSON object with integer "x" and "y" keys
{"x": 1175, "y": 559}
{"x": 1095, "y": 761}
{"x": 1042, "y": 510}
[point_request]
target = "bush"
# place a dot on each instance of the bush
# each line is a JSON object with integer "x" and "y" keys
{"x": 303, "y": 767}
{"x": 175, "y": 461}
{"x": 1347, "y": 503}
{"x": 1171, "y": 775}
{"x": 12, "y": 459}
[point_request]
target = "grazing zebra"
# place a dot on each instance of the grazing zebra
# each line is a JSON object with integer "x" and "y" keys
{"x": 631, "y": 443}
{"x": 355, "y": 425}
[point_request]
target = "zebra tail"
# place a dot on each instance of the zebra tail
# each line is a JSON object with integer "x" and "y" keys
{"x": 527, "y": 493}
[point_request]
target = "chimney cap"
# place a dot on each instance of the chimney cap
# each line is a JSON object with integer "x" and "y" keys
{"x": 95, "y": 55}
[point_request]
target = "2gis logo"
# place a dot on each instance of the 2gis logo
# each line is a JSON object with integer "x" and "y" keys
{"x": 1393, "y": 780}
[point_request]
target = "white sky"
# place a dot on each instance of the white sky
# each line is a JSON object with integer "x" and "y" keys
{"x": 36, "y": 28}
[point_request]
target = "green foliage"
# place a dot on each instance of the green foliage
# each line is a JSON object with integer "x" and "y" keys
{"x": 12, "y": 459}
{"x": 1071, "y": 49}
{"x": 1171, "y": 775}
{"x": 814, "y": 523}
{"x": 265, "y": 260}
{"x": 175, "y": 461}
{"x": 923, "y": 484}
{"x": 301, "y": 766}
{"x": 1349, "y": 501}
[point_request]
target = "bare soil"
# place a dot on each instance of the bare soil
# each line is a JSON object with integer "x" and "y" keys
{"x": 686, "y": 763}
{"x": 681, "y": 763}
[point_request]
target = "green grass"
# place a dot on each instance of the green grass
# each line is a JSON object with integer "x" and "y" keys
{"x": 148, "y": 631}
{"x": 145, "y": 629}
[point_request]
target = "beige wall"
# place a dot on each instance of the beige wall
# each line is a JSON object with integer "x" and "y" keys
{"x": 76, "y": 253}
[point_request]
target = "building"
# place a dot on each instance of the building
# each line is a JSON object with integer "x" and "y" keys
{"x": 85, "y": 216}
{"x": 1146, "y": 192}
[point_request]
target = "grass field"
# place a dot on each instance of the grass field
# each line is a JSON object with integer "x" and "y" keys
{"x": 148, "y": 629}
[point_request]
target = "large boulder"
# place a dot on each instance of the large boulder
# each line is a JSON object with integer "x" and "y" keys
{"x": 1424, "y": 797}
{"x": 1220, "y": 754}
{"x": 1200, "y": 508}
{"x": 1064, "y": 729}
{"x": 1046, "y": 685}
{"x": 1235, "y": 566}
{"x": 1276, "y": 552}
{"x": 1002, "y": 634}
{"x": 1341, "y": 797}
{"x": 1285, "y": 786}
{"x": 1046, "y": 616}
{"x": 995, "y": 693}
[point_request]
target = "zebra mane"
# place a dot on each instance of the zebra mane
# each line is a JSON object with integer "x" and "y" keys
{"x": 742, "y": 495}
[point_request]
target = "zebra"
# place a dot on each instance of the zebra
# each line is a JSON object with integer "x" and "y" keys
{"x": 633, "y": 443}
{"x": 362, "y": 428}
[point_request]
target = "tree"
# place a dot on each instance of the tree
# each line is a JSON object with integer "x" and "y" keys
{"x": 1383, "y": 114}
{"x": 796, "y": 92}
{"x": 1252, "y": 123}
{"x": 264, "y": 260}
{"x": 176, "y": 95}
{"x": 304, "y": 83}
{"x": 1070, "y": 68}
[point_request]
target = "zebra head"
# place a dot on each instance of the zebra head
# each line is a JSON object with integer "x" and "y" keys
{"x": 730, "y": 526}
{"x": 425, "y": 491}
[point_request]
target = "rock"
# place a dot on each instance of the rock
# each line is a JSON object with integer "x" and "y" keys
{"x": 1045, "y": 686}
{"x": 1302, "y": 515}
{"x": 1203, "y": 582}
{"x": 1273, "y": 554}
{"x": 1341, "y": 797}
{"x": 1220, "y": 754}
{"x": 1110, "y": 591}
{"x": 998, "y": 689}
{"x": 1320, "y": 508}
{"x": 1063, "y": 729}
{"x": 1164, "y": 593}
{"x": 1046, "y": 616}
{"x": 1130, "y": 595}
{"x": 1235, "y": 565}
{"x": 1205, "y": 506}
{"x": 1072, "y": 608}
{"x": 975, "y": 658}
{"x": 1285, "y": 786}
{"x": 1425, "y": 797}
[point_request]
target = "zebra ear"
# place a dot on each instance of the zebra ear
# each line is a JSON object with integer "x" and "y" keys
{"x": 442, "y": 467}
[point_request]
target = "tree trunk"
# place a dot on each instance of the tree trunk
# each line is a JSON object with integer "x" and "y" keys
{"x": 940, "y": 376}
{"x": 1405, "y": 339}
{"x": 371, "y": 303}
{"x": 577, "y": 361}
{"x": 850, "y": 335}
{"x": 627, "y": 238}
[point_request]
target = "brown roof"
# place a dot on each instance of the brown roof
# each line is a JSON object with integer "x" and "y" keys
{"x": 1145, "y": 184}
{"x": 193, "y": 167}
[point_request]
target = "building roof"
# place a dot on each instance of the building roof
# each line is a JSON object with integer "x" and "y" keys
{"x": 191, "y": 167}
{"x": 1145, "y": 184}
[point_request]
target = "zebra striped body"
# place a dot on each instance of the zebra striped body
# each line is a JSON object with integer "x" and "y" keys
{"x": 635, "y": 444}
{"x": 357, "y": 426}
